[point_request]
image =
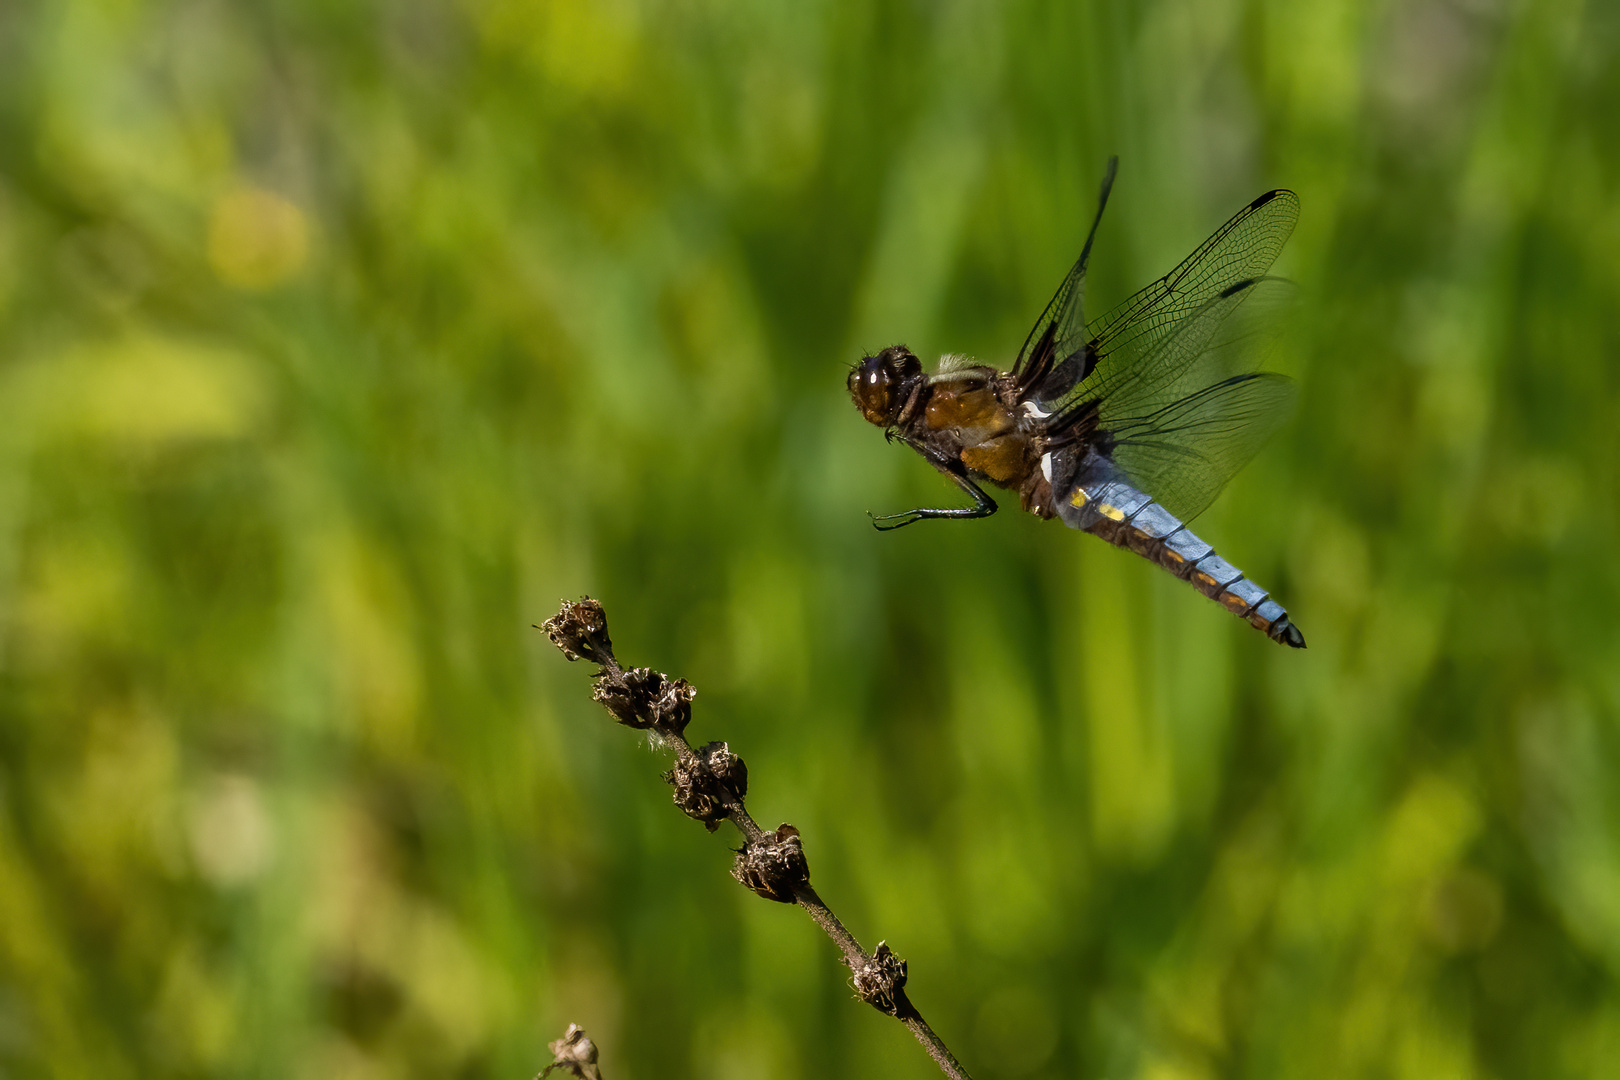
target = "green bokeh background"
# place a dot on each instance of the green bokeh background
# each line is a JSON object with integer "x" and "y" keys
{"x": 339, "y": 341}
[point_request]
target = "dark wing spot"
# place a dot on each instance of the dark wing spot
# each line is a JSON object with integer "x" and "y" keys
{"x": 1068, "y": 374}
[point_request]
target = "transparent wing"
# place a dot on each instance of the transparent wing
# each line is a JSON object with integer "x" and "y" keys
{"x": 1064, "y": 318}
{"x": 1192, "y": 419}
{"x": 1229, "y": 335}
{"x": 1168, "y": 377}
{"x": 1184, "y": 453}
{"x": 1132, "y": 359}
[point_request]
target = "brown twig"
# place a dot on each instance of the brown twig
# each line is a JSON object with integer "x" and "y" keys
{"x": 710, "y": 783}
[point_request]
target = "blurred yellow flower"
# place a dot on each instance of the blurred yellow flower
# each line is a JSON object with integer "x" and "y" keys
{"x": 256, "y": 239}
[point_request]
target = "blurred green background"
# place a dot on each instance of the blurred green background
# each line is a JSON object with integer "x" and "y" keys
{"x": 339, "y": 341}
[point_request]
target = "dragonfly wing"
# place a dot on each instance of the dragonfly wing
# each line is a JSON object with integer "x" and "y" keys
{"x": 1230, "y": 335}
{"x": 1184, "y": 453}
{"x": 1150, "y": 343}
{"x": 1064, "y": 318}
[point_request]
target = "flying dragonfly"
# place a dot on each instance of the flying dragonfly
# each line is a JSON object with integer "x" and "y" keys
{"x": 1127, "y": 426}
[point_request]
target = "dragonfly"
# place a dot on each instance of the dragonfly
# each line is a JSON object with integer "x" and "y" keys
{"x": 1127, "y": 426}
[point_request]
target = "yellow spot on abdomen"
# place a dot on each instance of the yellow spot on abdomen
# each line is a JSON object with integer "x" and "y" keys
{"x": 1078, "y": 498}
{"x": 1113, "y": 513}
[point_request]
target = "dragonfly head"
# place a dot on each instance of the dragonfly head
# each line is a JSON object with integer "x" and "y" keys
{"x": 880, "y": 385}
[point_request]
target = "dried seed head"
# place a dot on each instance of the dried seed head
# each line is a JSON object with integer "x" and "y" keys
{"x": 630, "y": 698}
{"x": 694, "y": 792}
{"x": 774, "y": 866}
{"x": 644, "y": 698}
{"x": 580, "y": 630}
{"x": 698, "y": 780}
{"x": 880, "y": 980}
{"x": 575, "y": 1054}
{"x": 727, "y": 767}
{"x": 672, "y": 706}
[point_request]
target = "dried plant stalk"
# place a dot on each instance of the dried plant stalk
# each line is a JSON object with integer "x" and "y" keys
{"x": 710, "y": 783}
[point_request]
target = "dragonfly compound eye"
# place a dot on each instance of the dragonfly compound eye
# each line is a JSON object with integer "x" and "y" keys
{"x": 879, "y": 384}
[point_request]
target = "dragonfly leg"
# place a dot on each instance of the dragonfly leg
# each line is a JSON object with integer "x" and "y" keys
{"x": 983, "y": 506}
